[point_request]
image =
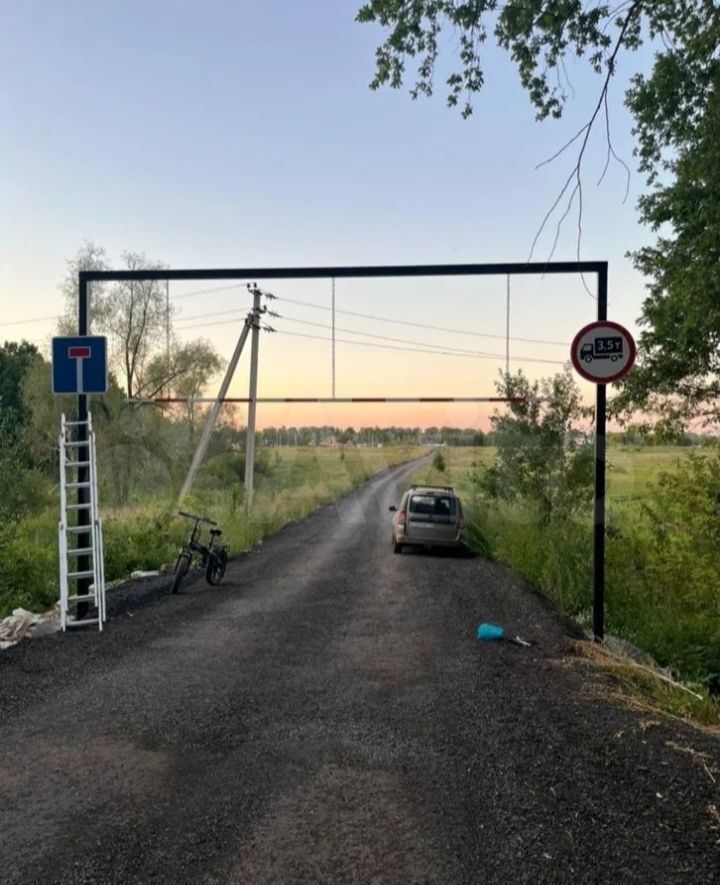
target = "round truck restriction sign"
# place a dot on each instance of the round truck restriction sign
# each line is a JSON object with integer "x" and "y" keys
{"x": 603, "y": 352}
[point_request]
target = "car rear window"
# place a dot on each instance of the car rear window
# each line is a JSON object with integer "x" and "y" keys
{"x": 433, "y": 505}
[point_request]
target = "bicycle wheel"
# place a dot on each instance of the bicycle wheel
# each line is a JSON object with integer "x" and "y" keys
{"x": 216, "y": 566}
{"x": 181, "y": 569}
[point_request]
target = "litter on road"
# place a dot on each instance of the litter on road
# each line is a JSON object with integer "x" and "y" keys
{"x": 495, "y": 633}
{"x": 22, "y": 624}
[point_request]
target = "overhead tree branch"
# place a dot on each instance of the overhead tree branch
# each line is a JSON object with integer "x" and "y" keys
{"x": 575, "y": 176}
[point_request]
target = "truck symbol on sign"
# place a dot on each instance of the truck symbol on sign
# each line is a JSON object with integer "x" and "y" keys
{"x": 606, "y": 348}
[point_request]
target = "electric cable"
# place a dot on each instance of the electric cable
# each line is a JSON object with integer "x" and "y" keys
{"x": 58, "y": 316}
{"x": 426, "y": 349}
{"x": 416, "y": 345}
{"x": 444, "y": 347}
{"x": 382, "y": 319}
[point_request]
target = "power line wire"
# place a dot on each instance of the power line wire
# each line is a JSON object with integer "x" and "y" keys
{"x": 382, "y": 319}
{"x": 367, "y": 316}
{"x": 444, "y": 347}
{"x": 426, "y": 350}
{"x": 57, "y": 316}
{"x": 242, "y": 286}
{"x": 34, "y": 320}
{"x": 214, "y": 313}
{"x": 416, "y": 345}
{"x": 209, "y": 291}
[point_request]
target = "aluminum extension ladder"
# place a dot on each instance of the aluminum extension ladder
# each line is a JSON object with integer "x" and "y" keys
{"x": 69, "y": 529}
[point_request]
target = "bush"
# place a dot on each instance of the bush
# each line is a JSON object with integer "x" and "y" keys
{"x": 29, "y": 554}
{"x": 23, "y": 491}
{"x": 439, "y": 462}
{"x": 664, "y": 572}
{"x": 223, "y": 470}
{"x": 142, "y": 539}
{"x": 542, "y": 459}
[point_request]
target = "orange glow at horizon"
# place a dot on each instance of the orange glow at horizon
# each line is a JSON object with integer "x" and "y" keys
{"x": 343, "y": 415}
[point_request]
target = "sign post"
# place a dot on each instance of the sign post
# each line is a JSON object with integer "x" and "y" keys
{"x": 79, "y": 367}
{"x": 601, "y": 352}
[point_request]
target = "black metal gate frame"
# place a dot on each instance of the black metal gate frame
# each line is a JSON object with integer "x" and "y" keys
{"x": 598, "y": 268}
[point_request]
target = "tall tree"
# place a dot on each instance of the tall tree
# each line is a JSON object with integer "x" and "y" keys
{"x": 89, "y": 256}
{"x": 538, "y": 34}
{"x": 137, "y": 320}
{"x": 15, "y": 362}
{"x": 136, "y": 317}
{"x": 675, "y": 108}
{"x": 184, "y": 372}
{"x": 679, "y": 372}
{"x": 22, "y": 488}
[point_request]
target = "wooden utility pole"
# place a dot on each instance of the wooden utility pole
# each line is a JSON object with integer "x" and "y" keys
{"x": 250, "y": 441}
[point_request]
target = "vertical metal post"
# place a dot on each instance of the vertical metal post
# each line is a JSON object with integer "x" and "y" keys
{"x": 250, "y": 441}
{"x": 599, "y": 503}
{"x": 507, "y": 327}
{"x": 167, "y": 327}
{"x": 83, "y": 455}
{"x": 333, "y": 337}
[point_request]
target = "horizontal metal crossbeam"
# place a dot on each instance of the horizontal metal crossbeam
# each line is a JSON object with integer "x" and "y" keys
{"x": 165, "y": 400}
{"x": 390, "y": 270}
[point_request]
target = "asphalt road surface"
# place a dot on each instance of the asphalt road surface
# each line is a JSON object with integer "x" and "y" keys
{"x": 327, "y": 716}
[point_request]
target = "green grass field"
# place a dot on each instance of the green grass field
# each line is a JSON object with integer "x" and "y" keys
{"x": 631, "y": 470}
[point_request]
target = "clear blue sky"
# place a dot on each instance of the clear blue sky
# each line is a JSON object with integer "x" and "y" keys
{"x": 236, "y": 133}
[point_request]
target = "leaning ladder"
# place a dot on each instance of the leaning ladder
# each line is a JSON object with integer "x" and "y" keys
{"x": 71, "y": 450}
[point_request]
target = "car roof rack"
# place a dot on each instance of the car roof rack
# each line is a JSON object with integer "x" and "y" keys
{"x": 429, "y": 487}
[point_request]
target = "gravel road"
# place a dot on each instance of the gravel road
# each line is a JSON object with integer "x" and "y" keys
{"x": 326, "y": 716}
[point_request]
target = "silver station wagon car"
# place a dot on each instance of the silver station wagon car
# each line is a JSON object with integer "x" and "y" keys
{"x": 428, "y": 516}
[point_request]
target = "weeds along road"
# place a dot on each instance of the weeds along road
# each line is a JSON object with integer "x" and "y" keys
{"x": 326, "y": 715}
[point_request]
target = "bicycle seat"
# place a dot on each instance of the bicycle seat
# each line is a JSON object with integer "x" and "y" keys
{"x": 216, "y": 532}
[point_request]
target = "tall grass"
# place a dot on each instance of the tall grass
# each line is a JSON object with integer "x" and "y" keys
{"x": 145, "y": 534}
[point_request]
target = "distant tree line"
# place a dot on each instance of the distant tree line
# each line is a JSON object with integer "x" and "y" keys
{"x": 328, "y": 434}
{"x": 661, "y": 434}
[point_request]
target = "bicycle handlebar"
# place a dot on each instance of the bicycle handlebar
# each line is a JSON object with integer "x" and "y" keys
{"x": 198, "y": 518}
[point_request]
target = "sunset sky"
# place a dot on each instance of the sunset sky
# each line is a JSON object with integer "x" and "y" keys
{"x": 244, "y": 134}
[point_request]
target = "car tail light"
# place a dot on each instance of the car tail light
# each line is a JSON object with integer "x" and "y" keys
{"x": 402, "y": 516}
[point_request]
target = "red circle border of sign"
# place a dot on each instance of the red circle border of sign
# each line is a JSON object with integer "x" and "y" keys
{"x": 618, "y": 328}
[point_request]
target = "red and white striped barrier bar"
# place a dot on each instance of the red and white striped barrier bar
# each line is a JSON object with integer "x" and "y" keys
{"x": 165, "y": 400}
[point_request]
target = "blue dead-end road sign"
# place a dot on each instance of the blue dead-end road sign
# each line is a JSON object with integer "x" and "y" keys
{"x": 79, "y": 365}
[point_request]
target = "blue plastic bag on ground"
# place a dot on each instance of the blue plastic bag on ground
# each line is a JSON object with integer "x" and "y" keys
{"x": 490, "y": 632}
